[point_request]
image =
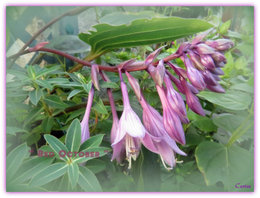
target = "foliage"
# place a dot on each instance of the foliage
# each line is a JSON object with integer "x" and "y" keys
{"x": 45, "y": 104}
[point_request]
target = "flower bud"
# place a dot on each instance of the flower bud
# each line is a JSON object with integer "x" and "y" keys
{"x": 220, "y": 44}
{"x": 219, "y": 57}
{"x": 94, "y": 75}
{"x": 150, "y": 58}
{"x": 204, "y": 49}
{"x": 207, "y": 61}
{"x": 157, "y": 73}
{"x": 135, "y": 85}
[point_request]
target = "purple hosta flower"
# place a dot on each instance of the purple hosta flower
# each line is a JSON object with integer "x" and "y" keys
{"x": 193, "y": 74}
{"x": 220, "y": 44}
{"x": 166, "y": 146}
{"x": 217, "y": 71}
{"x": 171, "y": 120}
{"x": 175, "y": 100}
{"x": 191, "y": 99}
{"x": 157, "y": 73}
{"x": 153, "y": 122}
{"x": 84, "y": 122}
{"x": 130, "y": 132}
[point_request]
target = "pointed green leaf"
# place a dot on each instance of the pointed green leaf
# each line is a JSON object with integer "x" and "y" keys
{"x": 15, "y": 159}
{"x": 55, "y": 102}
{"x": 45, "y": 71}
{"x": 31, "y": 167}
{"x": 47, "y": 124}
{"x": 91, "y": 153}
{"x": 141, "y": 32}
{"x": 56, "y": 145}
{"x": 73, "y": 172}
{"x": 93, "y": 141}
{"x": 88, "y": 180}
{"x": 73, "y": 93}
{"x": 49, "y": 174}
{"x": 35, "y": 96}
{"x": 100, "y": 107}
{"x": 44, "y": 84}
{"x": 73, "y": 136}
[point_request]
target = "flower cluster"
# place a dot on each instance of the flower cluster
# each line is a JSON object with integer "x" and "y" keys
{"x": 160, "y": 133}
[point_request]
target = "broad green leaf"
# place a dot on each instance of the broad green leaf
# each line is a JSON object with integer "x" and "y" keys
{"x": 205, "y": 124}
{"x": 47, "y": 124}
{"x": 73, "y": 172}
{"x": 233, "y": 100}
{"x": 15, "y": 159}
{"x": 35, "y": 96}
{"x": 56, "y": 144}
{"x": 49, "y": 174}
{"x": 231, "y": 165}
{"x": 141, "y": 32}
{"x": 73, "y": 93}
{"x": 31, "y": 167}
{"x": 91, "y": 153}
{"x": 88, "y": 181}
{"x": 231, "y": 122}
{"x": 100, "y": 107}
{"x": 93, "y": 141}
{"x": 55, "y": 102}
{"x": 121, "y": 18}
{"x": 113, "y": 85}
{"x": 73, "y": 136}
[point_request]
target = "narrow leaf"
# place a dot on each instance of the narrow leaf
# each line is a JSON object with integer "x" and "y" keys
{"x": 73, "y": 136}
{"x": 73, "y": 172}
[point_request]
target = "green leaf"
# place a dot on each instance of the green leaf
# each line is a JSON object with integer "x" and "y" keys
{"x": 73, "y": 93}
{"x": 88, "y": 181}
{"x": 49, "y": 174}
{"x": 100, "y": 107}
{"x": 93, "y": 141}
{"x": 91, "y": 153}
{"x": 13, "y": 130}
{"x": 205, "y": 124}
{"x": 73, "y": 136}
{"x": 96, "y": 165}
{"x": 35, "y": 96}
{"x": 231, "y": 165}
{"x": 45, "y": 71}
{"x": 47, "y": 124}
{"x": 105, "y": 84}
{"x": 121, "y": 18}
{"x": 233, "y": 100}
{"x": 31, "y": 71}
{"x": 141, "y": 32}
{"x": 55, "y": 102}
{"x": 56, "y": 145}
{"x": 44, "y": 84}
{"x": 224, "y": 27}
{"x": 15, "y": 159}
{"x": 31, "y": 167}
{"x": 73, "y": 172}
